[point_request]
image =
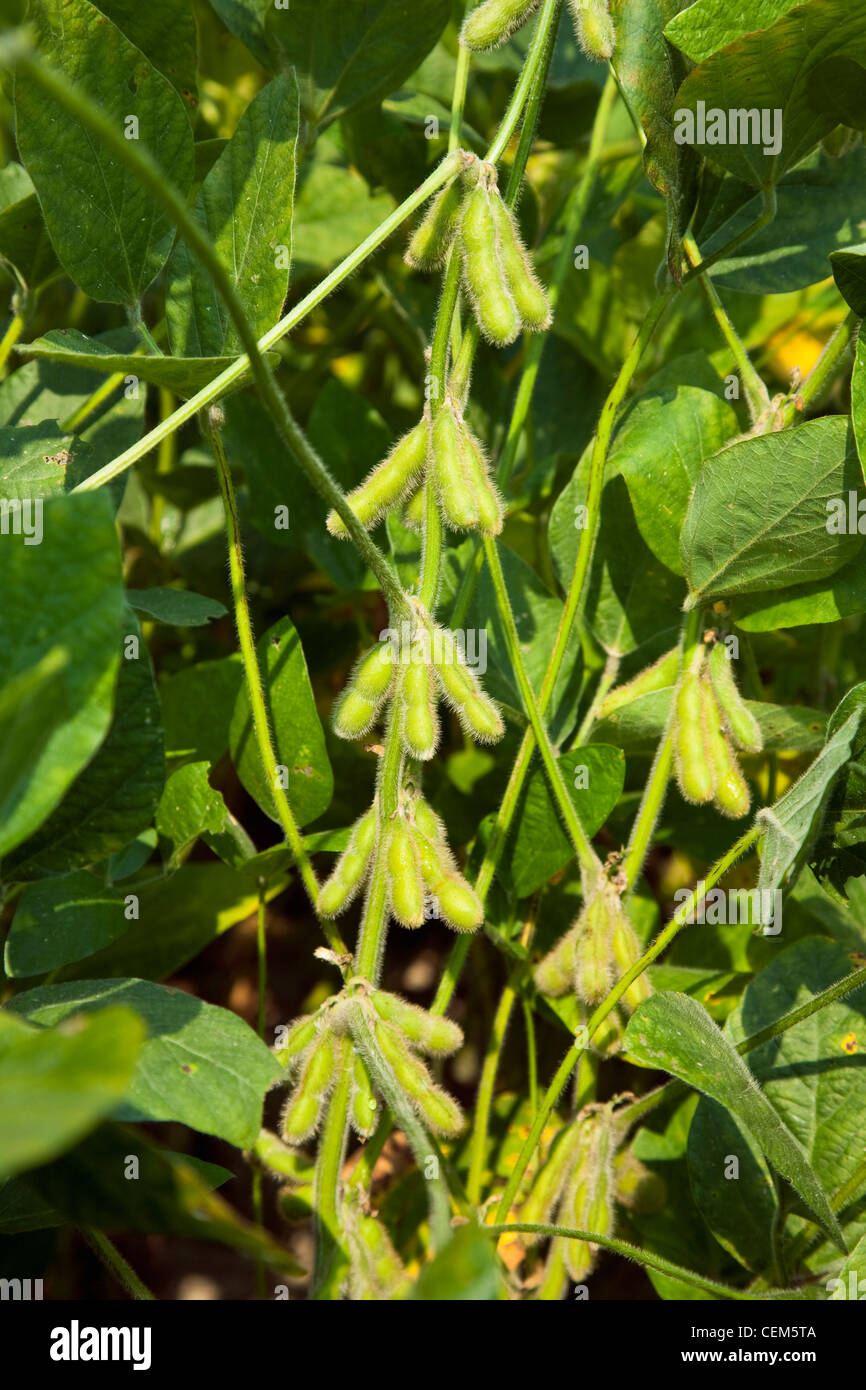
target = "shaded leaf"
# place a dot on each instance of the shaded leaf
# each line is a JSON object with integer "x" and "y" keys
{"x": 183, "y": 375}
{"x": 62, "y": 919}
{"x": 176, "y": 607}
{"x": 540, "y": 847}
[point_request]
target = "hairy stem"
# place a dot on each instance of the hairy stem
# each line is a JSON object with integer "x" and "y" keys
{"x": 110, "y": 1256}
{"x": 757, "y": 394}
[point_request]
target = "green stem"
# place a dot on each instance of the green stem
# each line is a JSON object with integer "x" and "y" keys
{"x": 660, "y": 773}
{"x": 255, "y": 686}
{"x": 765, "y": 218}
{"x": 757, "y": 394}
{"x": 88, "y": 407}
{"x": 327, "y": 1266}
{"x": 524, "y": 90}
{"x": 10, "y": 338}
{"x": 484, "y": 1100}
{"x": 262, "y": 953}
{"x": 642, "y": 1257}
{"x": 114, "y": 1262}
{"x": 817, "y": 381}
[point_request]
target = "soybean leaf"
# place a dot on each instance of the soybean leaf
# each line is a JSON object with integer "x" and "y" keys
{"x": 173, "y": 1194}
{"x": 165, "y": 31}
{"x": 246, "y": 20}
{"x": 858, "y": 396}
{"x": 116, "y": 240}
{"x": 115, "y": 796}
{"x": 705, "y": 27}
{"x": 178, "y": 915}
{"x": 80, "y": 543}
{"x": 737, "y": 1200}
{"x": 814, "y": 218}
{"x": 821, "y": 602}
{"x": 791, "y": 824}
{"x": 42, "y": 461}
{"x": 297, "y": 730}
{"x": 197, "y": 704}
{"x": 56, "y": 1085}
{"x": 851, "y": 1277}
{"x": 200, "y": 1065}
{"x": 176, "y": 607}
{"x": 245, "y": 205}
{"x": 849, "y": 272}
{"x": 334, "y": 211}
{"x": 32, "y": 705}
{"x": 465, "y": 1270}
{"x": 788, "y": 69}
{"x": 648, "y": 72}
{"x": 190, "y": 809}
{"x": 184, "y": 375}
{"x": 678, "y": 421}
{"x": 348, "y": 56}
{"x": 62, "y": 919}
{"x": 675, "y": 1033}
{"x": 24, "y": 242}
{"x": 762, "y": 510}
{"x": 540, "y": 847}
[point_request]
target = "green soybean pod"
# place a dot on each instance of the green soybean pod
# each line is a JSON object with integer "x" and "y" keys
{"x": 415, "y": 510}
{"x": 279, "y": 1159}
{"x": 554, "y": 974}
{"x": 732, "y": 793}
{"x": 590, "y": 1200}
{"x": 456, "y": 497}
{"x": 364, "y": 1111}
{"x": 301, "y": 1115}
{"x": 419, "y": 726}
{"x": 523, "y": 283}
{"x": 405, "y": 886}
{"x": 439, "y": 1110}
{"x": 659, "y": 676}
{"x": 431, "y": 1033}
{"x": 493, "y": 22}
{"x": 483, "y": 273}
{"x": 626, "y": 951}
{"x": 459, "y": 905}
{"x": 300, "y": 1035}
{"x": 593, "y": 957}
{"x": 487, "y": 500}
{"x": 428, "y": 822}
{"x": 696, "y": 772}
{"x": 550, "y": 1181}
{"x": 350, "y": 871}
{"x": 386, "y": 1268}
{"x": 593, "y": 28}
{"x": 477, "y": 713}
{"x": 432, "y": 239}
{"x": 743, "y": 725}
{"x": 387, "y": 484}
{"x": 296, "y": 1204}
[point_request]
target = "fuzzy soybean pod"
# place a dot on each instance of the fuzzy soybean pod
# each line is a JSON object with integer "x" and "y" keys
{"x": 550, "y": 1181}
{"x": 387, "y": 484}
{"x": 590, "y": 1201}
{"x": 626, "y": 950}
{"x": 732, "y": 793}
{"x": 303, "y": 1112}
{"x": 593, "y": 956}
{"x": 522, "y": 281}
{"x": 493, "y": 22}
{"x": 742, "y": 724}
{"x": 405, "y": 884}
{"x": 488, "y": 503}
{"x": 300, "y": 1035}
{"x": 659, "y": 676}
{"x": 415, "y": 510}
{"x": 483, "y": 272}
{"x": 364, "y": 1111}
{"x": 376, "y": 1270}
{"x": 459, "y": 905}
{"x": 554, "y": 974}
{"x": 455, "y": 494}
{"x": 417, "y": 695}
{"x": 696, "y": 772}
{"x": 433, "y": 237}
{"x": 365, "y": 693}
{"x": 593, "y": 28}
{"x": 439, "y": 1111}
{"x": 430, "y": 1033}
{"x": 476, "y": 711}
{"x": 350, "y": 871}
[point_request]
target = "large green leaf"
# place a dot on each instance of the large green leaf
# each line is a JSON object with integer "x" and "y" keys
{"x": 42, "y": 461}
{"x": 245, "y": 205}
{"x": 70, "y": 584}
{"x": 649, "y": 71}
{"x": 184, "y": 375}
{"x": 165, "y": 31}
{"x": 176, "y": 607}
{"x": 108, "y": 233}
{"x": 197, "y": 704}
{"x": 824, "y": 601}
{"x": 760, "y": 512}
{"x": 61, "y": 919}
{"x": 849, "y": 270}
{"x": 115, "y": 796}
{"x": 24, "y": 241}
{"x": 296, "y": 728}
{"x": 334, "y": 211}
{"x": 191, "y": 809}
{"x": 706, "y": 26}
{"x": 32, "y": 705}
{"x": 200, "y": 1065}
{"x": 347, "y": 56}
{"x": 540, "y": 847}
{"x": 790, "y": 68}
{"x": 674, "y": 1033}
{"x": 677, "y": 422}
{"x": 738, "y": 1204}
{"x": 56, "y": 1085}
{"x": 792, "y": 823}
